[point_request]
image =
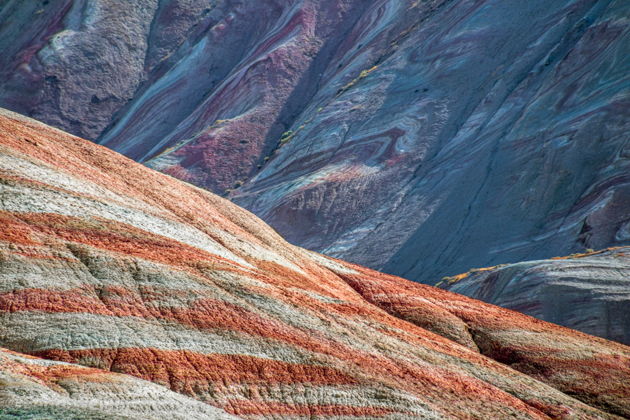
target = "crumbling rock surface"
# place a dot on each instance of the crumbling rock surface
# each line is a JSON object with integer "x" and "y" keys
{"x": 587, "y": 292}
{"x": 110, "y": 265}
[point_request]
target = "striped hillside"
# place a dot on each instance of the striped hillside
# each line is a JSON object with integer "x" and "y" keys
{"x": 33, "y": 388}
{"x": 109, "y": 265}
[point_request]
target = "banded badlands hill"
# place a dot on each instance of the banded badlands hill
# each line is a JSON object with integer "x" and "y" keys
{"x": 112, "y": 275}
{"x": 493, "y": 130}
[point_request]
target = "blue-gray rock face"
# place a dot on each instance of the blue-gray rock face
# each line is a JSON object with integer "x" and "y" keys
{"x": 490, "y": 132}
{"x": 589, "y": 292}
{"x": 421, "y": 138}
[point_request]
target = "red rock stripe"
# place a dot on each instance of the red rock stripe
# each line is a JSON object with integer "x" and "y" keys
{"x": 379, "y": 289}
{"x": 125, "y": 239}
{"x": 321, "y": 282}
{"x": 107, "y": 235}
{"x": 190, "y": 372}
{"x": 52, "y": 373}
{"x": 208, "y": 314}
{"x": 15, "y": 232}
{"x": 203, "y": 314}
{"x": 248, "y": 407}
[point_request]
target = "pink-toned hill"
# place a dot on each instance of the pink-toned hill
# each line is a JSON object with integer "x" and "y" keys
{"x": 110, "y": 265}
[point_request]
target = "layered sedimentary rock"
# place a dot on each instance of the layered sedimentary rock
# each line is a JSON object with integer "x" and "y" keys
{"x": 587, "y": 292}
{"x": 194, "y": 88}
{"x": 493, "y": 130}
{"x": 32, "y": 388}
{"x": 110, "y": 265}
{"x": 474, "y": 134}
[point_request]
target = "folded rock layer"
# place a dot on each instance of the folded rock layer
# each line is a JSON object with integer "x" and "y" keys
{"x": 110, "y": 265}
{"x": 495, "y": 130}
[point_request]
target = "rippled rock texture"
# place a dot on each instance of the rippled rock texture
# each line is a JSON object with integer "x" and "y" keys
{"x": 588, "y": 292}
{"x": 195, "y": 88}
{"x": 110, "y": 265}
{"x": 422, "y": 138}
{"x": 34, "y": 389}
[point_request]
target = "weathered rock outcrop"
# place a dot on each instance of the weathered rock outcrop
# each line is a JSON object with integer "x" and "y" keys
{"x": 193, "y": 87}
{"x": 108, "y": 264}
{"x": 588, "y": 292}
{"x": 493, "y": 130}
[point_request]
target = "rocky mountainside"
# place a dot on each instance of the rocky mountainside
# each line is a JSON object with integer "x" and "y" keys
{"x": 422, "y": 138}
{"x": 588, "y": 292}
{"x": 109, "y": 265}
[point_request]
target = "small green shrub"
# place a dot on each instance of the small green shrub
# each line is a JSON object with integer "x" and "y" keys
{"x": 286, "y": 137}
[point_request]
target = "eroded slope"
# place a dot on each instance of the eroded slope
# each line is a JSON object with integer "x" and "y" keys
{"x": 111, "y": 265}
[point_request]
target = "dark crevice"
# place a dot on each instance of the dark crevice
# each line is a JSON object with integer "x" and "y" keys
{"x": 308, "y": 86}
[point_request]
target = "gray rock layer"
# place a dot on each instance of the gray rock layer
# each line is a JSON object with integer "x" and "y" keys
{"x": 491, "y": 132}
{"x": 589, "y": 293}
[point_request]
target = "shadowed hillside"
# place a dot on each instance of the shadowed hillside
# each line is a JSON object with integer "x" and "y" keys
{"x": 420, "y": 138}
